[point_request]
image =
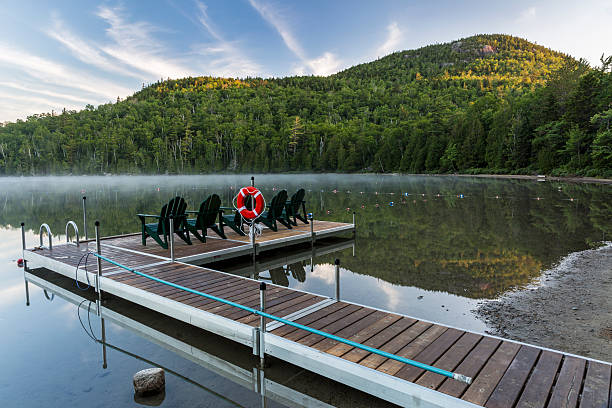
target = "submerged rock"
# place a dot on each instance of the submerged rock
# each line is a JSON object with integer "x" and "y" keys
{"x": 150, "y": 381}
{"x": 151, "y": 400}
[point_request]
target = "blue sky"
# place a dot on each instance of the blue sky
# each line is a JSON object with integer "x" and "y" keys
{"x": 71, "y": 53}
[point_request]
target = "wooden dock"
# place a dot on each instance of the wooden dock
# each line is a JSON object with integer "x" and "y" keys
{"x": 505, "y": 373}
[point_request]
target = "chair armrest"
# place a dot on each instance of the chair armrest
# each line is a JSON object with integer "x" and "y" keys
{"x": 192, "y": 212}
{"x": 148, "y": 215}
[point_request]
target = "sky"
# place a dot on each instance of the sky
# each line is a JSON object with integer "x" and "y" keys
{"x": 67, "y": 54}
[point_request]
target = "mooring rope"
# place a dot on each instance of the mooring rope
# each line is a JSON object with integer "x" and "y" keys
{"x": 76, "y": 272}
{"x": 445, "y": 373}
{"x": 254, "y": 227}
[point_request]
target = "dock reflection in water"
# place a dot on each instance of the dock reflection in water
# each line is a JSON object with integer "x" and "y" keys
{"x": 280, "y": 384}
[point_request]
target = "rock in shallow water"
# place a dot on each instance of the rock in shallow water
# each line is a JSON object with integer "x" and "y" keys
{"x": 149, "y": 381}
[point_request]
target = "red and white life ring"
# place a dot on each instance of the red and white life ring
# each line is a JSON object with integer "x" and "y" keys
{"x": 259, "y": 202}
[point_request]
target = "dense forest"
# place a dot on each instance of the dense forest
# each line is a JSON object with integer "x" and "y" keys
{"x": 487, "y": 103}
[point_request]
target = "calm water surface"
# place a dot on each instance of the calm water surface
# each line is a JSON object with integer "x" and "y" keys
{"x": 429, "y": 247}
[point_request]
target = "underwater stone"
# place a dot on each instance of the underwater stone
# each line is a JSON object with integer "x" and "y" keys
{"x": 149, "y": 381}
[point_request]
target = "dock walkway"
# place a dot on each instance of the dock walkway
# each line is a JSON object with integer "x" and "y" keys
{"x": 505, "y": 373}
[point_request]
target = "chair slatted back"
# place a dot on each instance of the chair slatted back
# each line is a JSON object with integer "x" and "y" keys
{"x": 277, "y": 205}
{"x": 176, "y": 209}
{"x": 296, "y": 200}
{"x": 162, "y": 218}
{"x": 209, "y": 210}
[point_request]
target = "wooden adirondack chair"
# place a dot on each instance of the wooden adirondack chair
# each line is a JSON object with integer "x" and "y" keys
{"x": 160, "y": 230}
{"x": 276, "y": 212}
{"x": 293, "y": 206}
{"x": 206, "y": 218}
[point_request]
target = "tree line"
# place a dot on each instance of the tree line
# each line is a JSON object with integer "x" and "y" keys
{"x": 488, "y": 103}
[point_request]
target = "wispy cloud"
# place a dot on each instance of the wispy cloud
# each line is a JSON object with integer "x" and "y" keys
{"x": 81, "y": 49}
{"x": 57, "y": 95}
{"x": 222, "y": 57}
{"x": 394, "y": 38}
{"x": 135, "y": 45}
{"x": 54, "y": 73}
{"x": 325, "y": 64}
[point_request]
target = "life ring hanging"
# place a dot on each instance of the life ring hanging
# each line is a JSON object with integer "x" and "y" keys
{"x": 259, "y": 202}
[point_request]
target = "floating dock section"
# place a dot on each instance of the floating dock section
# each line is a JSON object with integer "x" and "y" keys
{"x": 503, "y": 373}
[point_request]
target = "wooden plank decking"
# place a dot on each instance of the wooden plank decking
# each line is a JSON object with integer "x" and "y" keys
{"x": 505, "y": 373}
{"x": 216, "y": 248}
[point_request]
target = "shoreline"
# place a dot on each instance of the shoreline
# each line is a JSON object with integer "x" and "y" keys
{"x": 577, "y": 180}
{"x": 567, "y": 309}
{"x": 582, "y": 180}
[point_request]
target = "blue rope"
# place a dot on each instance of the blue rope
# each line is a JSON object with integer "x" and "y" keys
{"x": 459, "y": 377}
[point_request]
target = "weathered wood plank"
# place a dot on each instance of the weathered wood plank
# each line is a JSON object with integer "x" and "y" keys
{"x": 536, "y": 391}
{"x": 509, "y": 388}
{"x": 470, "y": 366}
{"x": 412, "y": 349}
{"x": 486, "y": 381}
{"x": 243, "y": 299}
{"x": 596, "y": 389}
{"x": 355, "y": 355}
{"x": 395, "y": 344}
{"x": 297, "y": 334}
{"x": 566, "y": 391}
{"x": 312, "y": 317}
{"x": 270, "y": 306}
{"x": 273, "y": 310}
{"x": 362, "y": 337}
{"x": 429, "y": 355}
{"x": 302, "y": 302}
{"x": 336, "y": 326}
{"x": 349, "y": 330}
{"x": 450, "y": 360}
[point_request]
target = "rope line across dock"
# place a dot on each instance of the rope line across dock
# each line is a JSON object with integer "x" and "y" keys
{"x": 445, "y": 373}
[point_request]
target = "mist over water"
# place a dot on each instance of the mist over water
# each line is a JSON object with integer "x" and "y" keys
{"x": 429, "y": 247}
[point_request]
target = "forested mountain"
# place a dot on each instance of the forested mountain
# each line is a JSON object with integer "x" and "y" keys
{"x": 487, "y": 103}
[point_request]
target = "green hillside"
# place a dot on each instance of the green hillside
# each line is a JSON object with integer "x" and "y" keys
{"x": 488, "y": 103}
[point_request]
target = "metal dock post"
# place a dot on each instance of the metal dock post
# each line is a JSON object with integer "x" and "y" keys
{"x": 337, "y": 262}
{"x": 85, "y": 218}
{"x": 25, "y": 265}
{"x": 171, "y": 238}
{"x": 262, "y": 324}
{"x": 310, "y": 219}
{"x": 99, "y": 272}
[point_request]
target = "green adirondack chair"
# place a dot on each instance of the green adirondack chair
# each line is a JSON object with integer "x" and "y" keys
{"x": 275, "y": 212}
{"x": 278, "y": 276}
{"x": 160, "y": 230}
{"x": 234, "y": 220}
{"x": 293, "y": 206}
{"x": 297, "y": 271}
{"x": 206, "y": 218}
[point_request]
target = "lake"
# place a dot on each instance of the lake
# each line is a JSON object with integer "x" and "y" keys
{"x": 429, "y": 247}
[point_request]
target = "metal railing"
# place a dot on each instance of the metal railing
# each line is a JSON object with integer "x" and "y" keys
{"x": 264, "y": 315}
{"x": 40, "y": 232}
{"x": 76, "y": 232}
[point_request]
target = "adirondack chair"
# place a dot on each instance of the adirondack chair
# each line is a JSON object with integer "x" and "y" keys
{"x": 292, "y": 207}
{"x": 275, "y": 212}
{"x": 297, "y": 271}
{"x": 278, "y": 276}
{"x": 206, "y": 218}
{"x": 234, "y": 220}
{"x": 160, "y": 230}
